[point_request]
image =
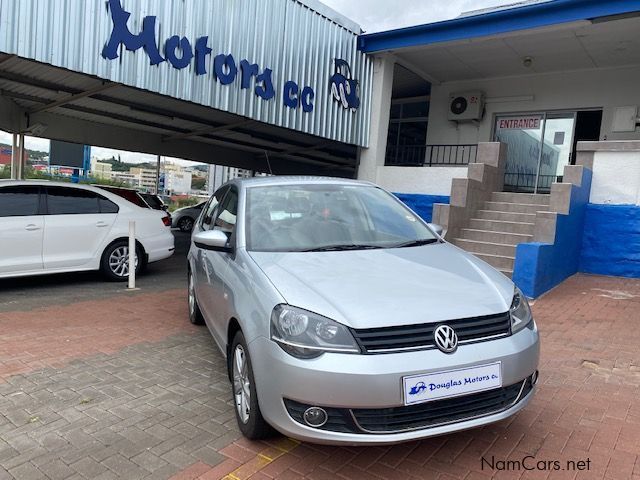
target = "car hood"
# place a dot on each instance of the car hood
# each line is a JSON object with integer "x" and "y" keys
{"x": 385, "y": 287}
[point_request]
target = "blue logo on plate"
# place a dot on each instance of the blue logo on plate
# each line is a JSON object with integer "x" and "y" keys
{"x": 417, "y": 388}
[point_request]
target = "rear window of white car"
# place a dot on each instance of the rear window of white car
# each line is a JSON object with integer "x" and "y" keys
{"x": 76, "y": 201}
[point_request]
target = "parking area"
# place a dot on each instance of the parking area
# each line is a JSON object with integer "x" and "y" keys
{"x": 100, "y": 383}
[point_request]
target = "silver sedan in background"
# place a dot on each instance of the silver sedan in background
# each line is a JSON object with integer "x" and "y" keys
{"x": 346, "y": 319}
{"x": 184, "y": 218}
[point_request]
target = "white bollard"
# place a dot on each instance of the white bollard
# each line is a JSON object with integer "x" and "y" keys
{"x": 132, "y": 254}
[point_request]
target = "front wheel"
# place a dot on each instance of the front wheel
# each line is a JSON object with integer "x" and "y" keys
{"x": 195, "y": 315}
{"x": 185, "y": 224}
{"x": 115, "y": 261}
{"x": 250, "y": 420}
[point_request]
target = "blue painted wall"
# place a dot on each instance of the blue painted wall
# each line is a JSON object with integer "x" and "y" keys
{"x": 422, "y": 204}
{"x": 611, "y": 241}
{"x": 541, "y": 266}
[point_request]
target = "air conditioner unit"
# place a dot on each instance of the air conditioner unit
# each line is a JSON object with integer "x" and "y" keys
{"x": 466, "y": 106}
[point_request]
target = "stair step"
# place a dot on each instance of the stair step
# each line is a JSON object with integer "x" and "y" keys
{"x": 531, "y": 198}
{"x": 494, "y": 237}
{"x": 515, "y": 207}
{"x": 506, "y": 216}
{"x": 502, "y": 226}
{"x": 493, "y": 248}
{"x": 496, "y": 261}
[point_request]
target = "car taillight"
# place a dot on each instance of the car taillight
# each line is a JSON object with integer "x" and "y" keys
{"x": 166, "y": 220}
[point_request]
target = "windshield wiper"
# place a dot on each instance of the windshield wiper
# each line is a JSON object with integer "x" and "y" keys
{"x": 417, "y": 243}
{"x": 335, "y": 248}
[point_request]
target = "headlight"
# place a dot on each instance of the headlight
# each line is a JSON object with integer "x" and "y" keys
{"x": 305, "y": 334}
{"x": 520, "y": 312}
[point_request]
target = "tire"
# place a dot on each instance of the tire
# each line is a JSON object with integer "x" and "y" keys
{"x": 185, "y": 224}
{"x": 250, "y": 421}
{"x": 115, "y": 261}
{"x": 195, "y": 315}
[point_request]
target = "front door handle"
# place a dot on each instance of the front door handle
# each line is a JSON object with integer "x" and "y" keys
{"x": 32, "y": 227}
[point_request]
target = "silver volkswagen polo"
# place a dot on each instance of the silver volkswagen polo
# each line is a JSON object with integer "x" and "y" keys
{"x": 346, "y": 319}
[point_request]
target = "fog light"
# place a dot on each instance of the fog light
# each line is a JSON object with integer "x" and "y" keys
{"x": 534, "y": 378}
{"x": 315, "y": 417}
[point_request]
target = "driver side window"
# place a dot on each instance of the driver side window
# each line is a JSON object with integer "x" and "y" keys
{"x": 211, "y": 208}
{"x": 227, "y": 213}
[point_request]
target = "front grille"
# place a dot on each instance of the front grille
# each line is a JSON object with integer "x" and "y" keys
{"x": 415, "y": 417}
{"x": 439, "y": 412}
{"x": 416, "y": 337}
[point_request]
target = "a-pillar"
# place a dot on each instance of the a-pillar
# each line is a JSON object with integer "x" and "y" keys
{"x": 373, "y": 157}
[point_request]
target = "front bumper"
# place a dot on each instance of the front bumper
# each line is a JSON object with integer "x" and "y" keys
{"x": 343, "y": 381}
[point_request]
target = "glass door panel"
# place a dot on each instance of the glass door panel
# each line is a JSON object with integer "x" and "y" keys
{"x": 522, "y": 134}
{"x": 556, "y": 149}
{"x": 538, "y": 148}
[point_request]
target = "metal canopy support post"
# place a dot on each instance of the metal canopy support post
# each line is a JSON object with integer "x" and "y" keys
{"x": 17, "y": 157}
{"x": 21, "y": 163}
{"x": 14, "y": 157}
{"x": 158, "y": 177}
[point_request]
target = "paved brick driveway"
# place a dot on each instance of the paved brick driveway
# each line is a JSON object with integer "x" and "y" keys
{"x": 124, "y": 387}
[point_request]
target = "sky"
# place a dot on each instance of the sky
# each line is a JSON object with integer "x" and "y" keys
{"x": 42, "y": 144}
{"x": 372, "y": 15}
{"x": 377, "y": 15}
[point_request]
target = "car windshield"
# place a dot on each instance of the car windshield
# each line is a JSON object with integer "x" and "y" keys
{"x": 325, "y": 217}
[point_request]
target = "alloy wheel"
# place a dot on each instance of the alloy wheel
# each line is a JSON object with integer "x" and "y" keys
{"x": 241, "y": 384}
{"x": 192, "y": 296}
{"x": 119, "y": 261}
{"x": 186, "y": 225}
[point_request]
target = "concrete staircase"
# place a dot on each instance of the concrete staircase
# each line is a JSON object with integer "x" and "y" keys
{"x": 502, "y": 222}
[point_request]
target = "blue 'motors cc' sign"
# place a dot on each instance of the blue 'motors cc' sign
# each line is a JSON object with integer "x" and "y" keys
{"x": 180, "y": 53}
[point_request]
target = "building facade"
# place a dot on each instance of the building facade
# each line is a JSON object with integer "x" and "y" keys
{"x": 517, "y": 128}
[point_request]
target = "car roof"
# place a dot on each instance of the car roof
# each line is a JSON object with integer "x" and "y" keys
{"x": 115, "y": 187}
{"x": 294, "y": 180}
{"x": 50, "y": 183}
{"x": 114, "y": 197}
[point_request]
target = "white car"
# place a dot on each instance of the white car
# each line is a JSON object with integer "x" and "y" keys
{"x": 53, "y": 227}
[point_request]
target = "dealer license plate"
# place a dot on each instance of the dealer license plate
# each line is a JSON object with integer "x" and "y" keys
{"x": 452, "y": 383}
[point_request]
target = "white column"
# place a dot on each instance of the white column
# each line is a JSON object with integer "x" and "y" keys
{"x": 373, "y": 157}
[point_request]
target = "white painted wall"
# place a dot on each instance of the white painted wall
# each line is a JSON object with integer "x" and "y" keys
{"x": 369, "y": 159}
{"x": 616, "y": 178}
{"x": 602, "y": 88}
{"x": 424, "y": 180}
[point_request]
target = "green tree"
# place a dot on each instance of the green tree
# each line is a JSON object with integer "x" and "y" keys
{"x": 198, "y": 183}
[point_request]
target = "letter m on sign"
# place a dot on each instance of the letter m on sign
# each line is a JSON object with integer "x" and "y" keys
{"x": 121, "y": 35}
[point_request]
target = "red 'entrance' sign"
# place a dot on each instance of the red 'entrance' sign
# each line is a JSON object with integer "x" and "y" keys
{"x": 521, "y": 123}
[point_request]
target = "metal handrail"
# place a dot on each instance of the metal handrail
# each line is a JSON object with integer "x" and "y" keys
{"x": 430, "y": 155}
{"x": 526, "y": 182}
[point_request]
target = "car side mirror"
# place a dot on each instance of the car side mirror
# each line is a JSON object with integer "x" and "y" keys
{"x": 212, "y": 240}
{"x": 437, "y": 228}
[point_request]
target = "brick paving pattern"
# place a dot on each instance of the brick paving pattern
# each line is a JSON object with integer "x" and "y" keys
{"x": 126, "y": 388}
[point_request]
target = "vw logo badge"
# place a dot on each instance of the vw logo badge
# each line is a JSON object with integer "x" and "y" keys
{"x": 446, "y": 339}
